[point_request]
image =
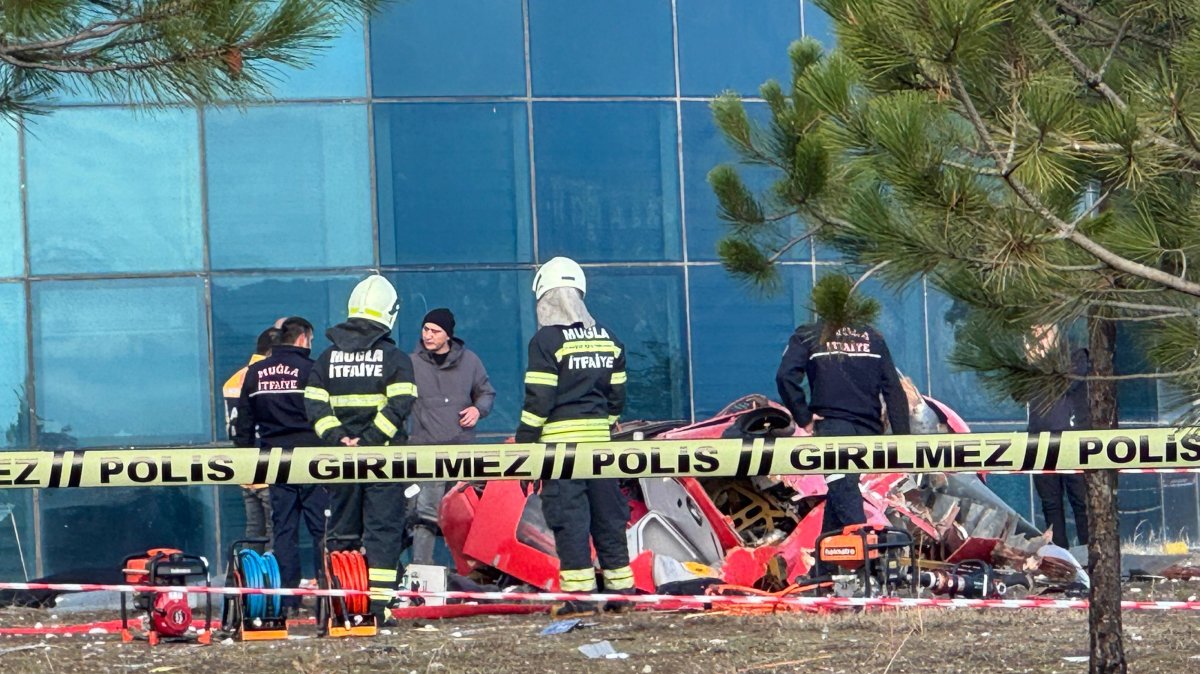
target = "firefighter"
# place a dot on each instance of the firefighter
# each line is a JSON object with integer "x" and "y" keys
{"x": 270, "y": 413}
{"x": 574, "y": 392}
{"x": 850, "y": 371}
{"x": 360, "y": 394}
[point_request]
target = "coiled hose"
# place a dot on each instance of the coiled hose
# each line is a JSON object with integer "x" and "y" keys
{"x": 260, "y": 572}
{"x": 349, "y": 570}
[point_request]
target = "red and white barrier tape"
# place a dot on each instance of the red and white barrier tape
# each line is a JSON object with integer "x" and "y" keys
{"x": 662, "y": 600}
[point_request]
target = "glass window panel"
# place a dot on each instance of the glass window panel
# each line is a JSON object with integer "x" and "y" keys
{"x": 494, "y": 316}
{"x": 1181, "y": 495}
{"x": 601, "y": 48}
{"x": 762, "y": 31}
{"x": 1140, "y": 507}
{"x": 115, "y": 359}
{"x": 825, "y": 253}
{"x": 738, "y": 335}
{"x": 288, "y": 186}
{"x": 448, "y": 48}
{"x": 1137, "y": 399}
{"x": 963, "y": 391}
{"x": 17, "y": 545}
{"x": 337, "y": 71}
{"x": 453, "y": 183}
{"x": 817, "y": 24}
{"x": 607, "y": 181}
{"x": 134, "y": 200}
{"x": 14, "y": 406}
{"x": 244, "y": 306}
{"x": 704, "y": 147}
{"x": 644, "y": 307}
{"x": 12, "y": 253}
{"x": 98, "y": 528}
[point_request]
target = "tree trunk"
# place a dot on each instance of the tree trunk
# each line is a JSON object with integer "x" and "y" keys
{"x": 1104, "y": 545}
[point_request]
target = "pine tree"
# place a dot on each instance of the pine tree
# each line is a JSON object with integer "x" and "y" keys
{"x": 158, "y": 51}
{"x": 1035, "y": 160}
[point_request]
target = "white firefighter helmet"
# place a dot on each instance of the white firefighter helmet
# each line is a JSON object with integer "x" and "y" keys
{"x": 374, "y": 299}
{"x": 559, "y": 272}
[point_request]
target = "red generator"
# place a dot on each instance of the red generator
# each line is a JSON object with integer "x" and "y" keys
{"x": 167, "y": 615}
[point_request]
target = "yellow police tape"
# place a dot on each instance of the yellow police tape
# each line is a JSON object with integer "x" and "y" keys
{"x": 1075, "y": 450}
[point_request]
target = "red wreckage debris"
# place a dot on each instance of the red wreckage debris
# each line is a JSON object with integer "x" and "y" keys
{"x": 758, "y": 534}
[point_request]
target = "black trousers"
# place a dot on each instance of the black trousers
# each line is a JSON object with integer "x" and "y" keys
{"x": 843, "y": 499}
{"x": 843, "y": 502}
{"x": 290, "y": 504}
{"x": 376, "y": 514}
{"x": 583, "y": 511}
{"x": 1050, "y": 489}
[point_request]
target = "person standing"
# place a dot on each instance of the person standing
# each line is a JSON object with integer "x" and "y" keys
{"x": 270, "y": 413}
{"x": 574, "y": 392}
{"x": 850, "y": 374}
{"x": 456, "y": 394}
{"x": 360, "y": 393}
{"x": 1070, "y": 412}
{"x": 256, "y": 499}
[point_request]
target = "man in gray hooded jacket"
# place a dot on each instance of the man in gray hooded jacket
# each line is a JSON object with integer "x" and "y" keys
{"x": 455, "y": 395}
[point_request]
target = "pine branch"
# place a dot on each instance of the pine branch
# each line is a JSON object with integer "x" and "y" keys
{"x": 1094, "y": 81}
{"x": 1083, "y": 15}
{"x": 165, "y": 50}
{"x": 792, "y": 243}
{"x": 1064, "y": 229}
{"x": 838, "y": 305}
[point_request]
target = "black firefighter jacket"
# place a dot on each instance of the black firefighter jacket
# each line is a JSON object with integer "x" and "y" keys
{"x": 847, "y": 374}
{"x": 361, "y": 387}
{"x": 272, "y": 399}
{"x": 574, "y": 385}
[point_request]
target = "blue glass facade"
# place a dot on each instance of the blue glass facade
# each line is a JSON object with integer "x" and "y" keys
{"x": 452, "y": 144}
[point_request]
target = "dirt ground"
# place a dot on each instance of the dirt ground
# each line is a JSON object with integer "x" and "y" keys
{"x": 916, "y": 640}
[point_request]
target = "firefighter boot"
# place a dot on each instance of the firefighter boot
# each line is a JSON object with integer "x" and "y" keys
{"x": 620, "y": 606}
{"x": 619, "y": 581}
{"x": 576, "y": 580}
{"x": 574, "y": 608}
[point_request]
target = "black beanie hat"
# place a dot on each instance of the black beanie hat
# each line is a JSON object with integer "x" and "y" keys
{"x": 441, "y": 318}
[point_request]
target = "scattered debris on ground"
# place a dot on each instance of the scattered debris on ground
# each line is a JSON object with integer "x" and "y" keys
{"x": 916, "y": 640}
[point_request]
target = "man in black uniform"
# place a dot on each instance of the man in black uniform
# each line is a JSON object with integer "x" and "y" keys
{"x": 360, "y": 394}
{"x": 255, "y": 497}
{"x": 574, "y": 392}
{"x": 272, "y": 403}
{"x": 1071, "y": 412}
{"x": 848, "y": 368}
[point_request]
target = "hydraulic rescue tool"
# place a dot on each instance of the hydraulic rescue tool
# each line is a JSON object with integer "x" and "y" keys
{"x": 168, "y": 615}
{"x": 876, "y": 556}
{"x": 253, "y": 617}
{"x": 873, "y": 554}
{"x": 971, "y": 579}
{"x": 345, "y": 569}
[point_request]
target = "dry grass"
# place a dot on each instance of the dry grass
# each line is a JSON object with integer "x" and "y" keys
{"x": 933, "y": 641}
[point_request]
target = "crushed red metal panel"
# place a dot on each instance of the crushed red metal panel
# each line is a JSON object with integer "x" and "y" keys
{"x": 756, "y": 532}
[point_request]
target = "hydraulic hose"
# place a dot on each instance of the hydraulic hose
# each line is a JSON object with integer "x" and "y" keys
{"x": 350, "y": 570}
{"x": 260, "y": 572}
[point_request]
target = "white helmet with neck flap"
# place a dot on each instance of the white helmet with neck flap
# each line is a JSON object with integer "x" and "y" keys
{"x": 559, "y": 272}
{"x": 374, "y": 299}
